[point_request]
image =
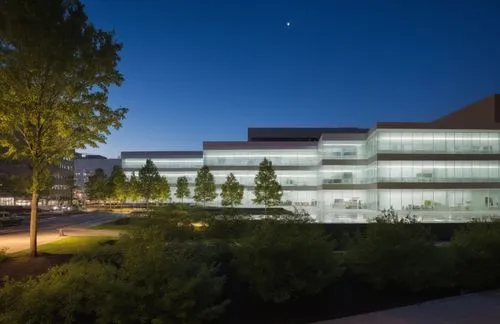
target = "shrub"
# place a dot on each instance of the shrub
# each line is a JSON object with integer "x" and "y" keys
{"x": 178, "y": 224}
{"x": 398, "y": 253}
{"x": 3, "y": 254}
{"x": 62, "y": 295}
{"x": 154, "y": 283}
{"x": 282, "y": 261}
{"x": 168, "y": 283}
{"x": 476, "y": 249}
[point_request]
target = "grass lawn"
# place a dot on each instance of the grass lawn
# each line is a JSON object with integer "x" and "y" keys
{"x": 123, "y": 224}
{"x": 69, "y": 245}
{"x": 20, "y": 265}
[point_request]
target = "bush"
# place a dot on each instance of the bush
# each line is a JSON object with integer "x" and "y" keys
{"x": 152, "y": 282}
{"x": 281, "y": 261}
{"x": 169, "y": 283}
{"x": 477, "y": 255}
{"x": 62, "y": 295}
{"x": 177, "y": 223}
{"x": 3, "y": 254}
{"x": 398, "y": 253}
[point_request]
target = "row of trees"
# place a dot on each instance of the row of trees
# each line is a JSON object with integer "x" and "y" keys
{"x": 149, "y": 185}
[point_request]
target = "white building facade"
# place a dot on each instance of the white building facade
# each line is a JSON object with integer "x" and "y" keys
{"x": 447, "y": 170}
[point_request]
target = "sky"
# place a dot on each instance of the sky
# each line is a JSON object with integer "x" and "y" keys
{"x": 207, "y": 70}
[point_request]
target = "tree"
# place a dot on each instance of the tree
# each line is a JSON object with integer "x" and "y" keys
{"x": 232, "y": 192}
{"x": 164, "y": 190}
{"x": 133, "y": 188}
{"x": 267, "y": 191}
{"x": 97, "y": 188}
{"x": 182, "y": 191}
{"x": 55, "y": 72}
{"x": 118, "y": 184}
{"x": 150, "y": 182}
{"x": 204, "y": 189}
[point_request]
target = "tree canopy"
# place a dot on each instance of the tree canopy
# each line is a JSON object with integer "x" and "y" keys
{"x": 267, "y": 191}
{"x": 182, "y": 189}
{"x": 232, "y": 192}
{"x": 56, "y": 69}
{"x": 204, "y": 189}
{"x": 150, "y": 183}
{"x": 118, "y": 184}
{"x": 97, "y": 188}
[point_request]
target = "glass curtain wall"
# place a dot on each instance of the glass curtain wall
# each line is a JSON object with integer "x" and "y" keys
{"x": 437, "y": 142}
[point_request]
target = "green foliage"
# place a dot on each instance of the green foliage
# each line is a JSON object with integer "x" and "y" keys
{"x": 164, "y": 189}
{"x": 204, "y": 186}
{"x": 182, "y": 190}
{"x": 282, "y": 261}
{"x": 63, "y": 294}
{"x": 97, "y": 188}
{"x": 232, "y": 191}
{"x": 117, "y": 183}
{"x": 3, "y": 254}
{"x": 267, "y": 191}
{"x": 56, "y": 69}
{"x": 150, "y": 183}
{"x": 398, "y": 253}
{"x": 140, "y": 280}
{"x": 176, "y": 222}
{"x": 476, "y": 249}
{"x": 133, "y": 192}
{"x": 171, "y": 283}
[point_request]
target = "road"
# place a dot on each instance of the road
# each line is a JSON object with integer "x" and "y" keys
{"x": 57, "y": 222}
{"x": 17, "y": 238}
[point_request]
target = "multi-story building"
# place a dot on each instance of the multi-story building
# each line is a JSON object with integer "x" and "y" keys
{"x": 15, "y": 179}
{"x": 86, "y": 164}
{"x": 444, "y": 170}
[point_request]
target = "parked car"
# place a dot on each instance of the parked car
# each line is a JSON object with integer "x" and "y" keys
{"x": 8, "y": 219}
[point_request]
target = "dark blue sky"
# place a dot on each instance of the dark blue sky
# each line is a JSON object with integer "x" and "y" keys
{"x": 207, "y": 70}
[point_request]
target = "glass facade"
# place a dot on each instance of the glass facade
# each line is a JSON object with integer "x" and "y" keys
{"x": 451, "y": 175}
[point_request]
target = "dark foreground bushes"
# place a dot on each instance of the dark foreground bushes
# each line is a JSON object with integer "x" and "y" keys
{"x": 154, "y": 283}
{"x": 399, "y": 254}
{"x": 189, "y": 266}
{"x": 284, "y": 261}
{"x": 477, "y": 255}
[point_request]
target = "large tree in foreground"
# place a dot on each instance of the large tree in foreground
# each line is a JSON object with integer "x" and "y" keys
{"x": 268, "y": 190}
{"x": 55, "y": 72}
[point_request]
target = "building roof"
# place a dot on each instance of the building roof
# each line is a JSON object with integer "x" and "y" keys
{"x": 162, "y": 154}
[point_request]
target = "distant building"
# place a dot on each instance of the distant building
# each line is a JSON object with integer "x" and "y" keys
{"x": 13, "y": 192}
{"x": 446, "y": 170}
{"x": 86, "y": 164}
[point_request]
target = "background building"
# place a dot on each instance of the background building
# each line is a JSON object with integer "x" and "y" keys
{"x": 444, "y": 170}
{"x": 86, "y": 164}
{"x": 15, "y": 179}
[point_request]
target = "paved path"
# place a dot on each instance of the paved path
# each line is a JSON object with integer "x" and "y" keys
{"x": 479, "y": 308}
{"x": 17, "y": 238}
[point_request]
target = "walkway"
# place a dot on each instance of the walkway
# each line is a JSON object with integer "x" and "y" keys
{"x": 479, "y": 308}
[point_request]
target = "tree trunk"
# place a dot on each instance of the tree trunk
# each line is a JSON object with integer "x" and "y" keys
{"x": 34, "y": 224}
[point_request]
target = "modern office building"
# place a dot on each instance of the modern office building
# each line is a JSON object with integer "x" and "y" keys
{"x": 444, "y": 170}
